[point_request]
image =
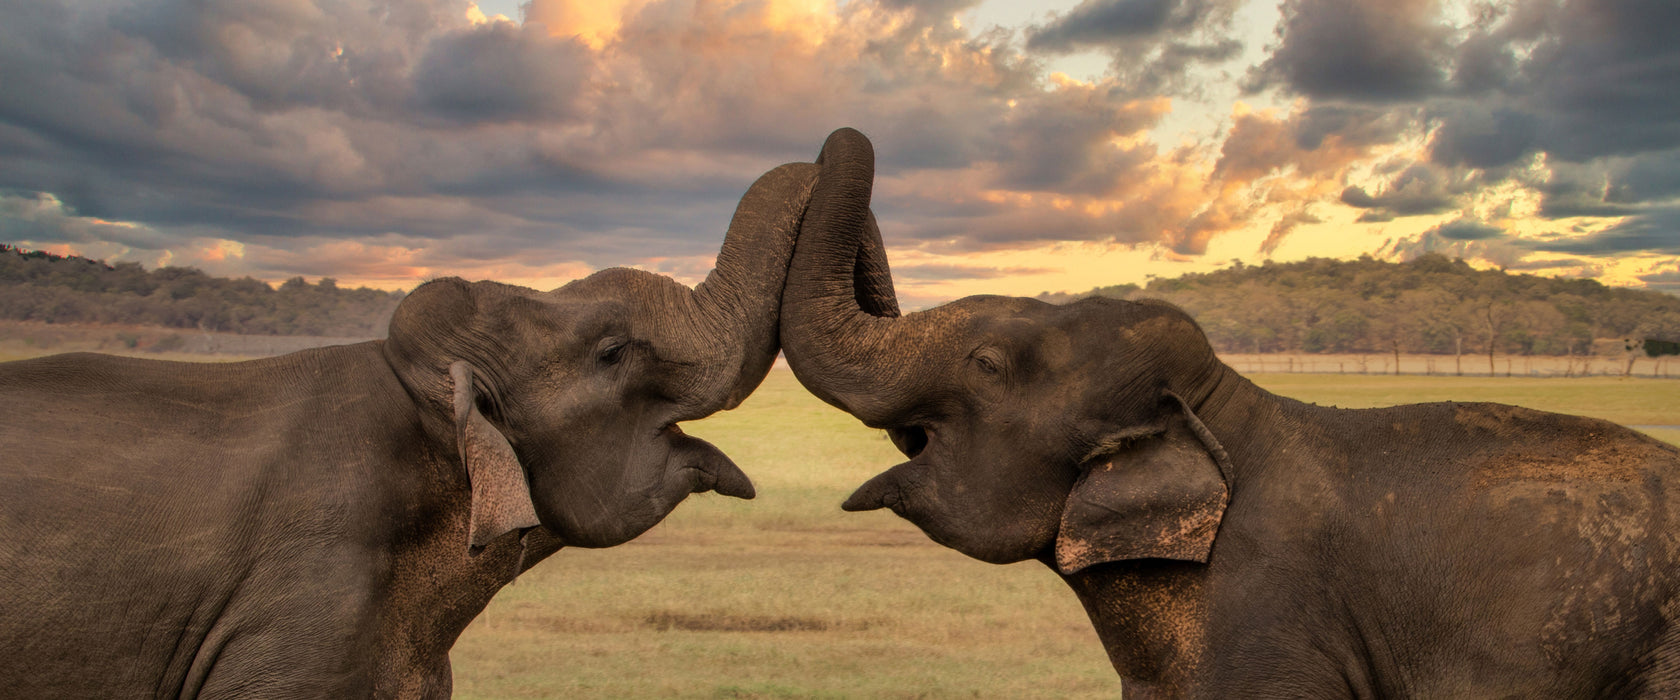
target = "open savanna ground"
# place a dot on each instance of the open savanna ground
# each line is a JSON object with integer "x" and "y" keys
{"x": 787, "y": 596}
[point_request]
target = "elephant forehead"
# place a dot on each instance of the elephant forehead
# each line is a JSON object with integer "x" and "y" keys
{"x": 1001, "y": 306}
{"x": 1050, "y": 344}
{"x": 629, "y": 285}
{"x": 1055, "y": 348}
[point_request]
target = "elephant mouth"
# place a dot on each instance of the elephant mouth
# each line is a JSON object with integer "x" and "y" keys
{"x": 912, "y": 440}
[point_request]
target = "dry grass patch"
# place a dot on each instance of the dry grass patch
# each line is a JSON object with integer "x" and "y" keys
{"x": 668, "y": 620}
{"x": 786, "y": 596}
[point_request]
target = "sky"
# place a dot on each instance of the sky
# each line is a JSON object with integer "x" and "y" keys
{"x": 1021, "y": 147}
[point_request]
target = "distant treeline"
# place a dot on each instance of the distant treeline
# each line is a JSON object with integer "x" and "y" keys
{"x": 37, "y": 286}
{"x": 1429, "y": 305}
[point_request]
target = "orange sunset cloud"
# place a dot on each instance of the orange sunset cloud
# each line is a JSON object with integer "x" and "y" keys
{"x": 542, "y": 141}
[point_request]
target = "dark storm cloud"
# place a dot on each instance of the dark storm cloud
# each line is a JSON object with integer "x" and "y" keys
{"x": 1654, "y": 231}
{"x": 284, "y": 124}
{"x": 266, "y": 120}
{"x": 1587, "y": 83}
{"x": 1465, "y": 237}
{"x": 1566, "y": 200}
{"x": 1648, "y": 177}
{"x": 1579, "y": 80}
{"x": 1487, "y": 57}
{"x": 1605, "y": 79}
{"x": 1166, "y": 72}
{"x": 931, "y": 9}
{"x": 1627, "y": 186}
{"x": 1105, "y": 22}
{"x": 41, "y": 218}
{"x": 1474, "y": 136}
{"x": 1376, "y": 50}
{"x": 501, "y": 72}
{"x": 1420, "y": 189}
{"x": 1062, "y": 142}
{"x": 1467, "y": 230}
{"x": 349, "y": 56}
{"x": 1154, "y": 42}
{"x": 119, "y": 123}
{"x": 1353, "y": 124}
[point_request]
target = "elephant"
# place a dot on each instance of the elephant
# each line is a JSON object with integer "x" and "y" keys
{"x": 325, "y": 524}
{"x": 1226, "y": 541}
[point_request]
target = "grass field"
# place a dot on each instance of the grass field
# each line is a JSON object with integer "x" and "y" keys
{"x": 788, "y": 597}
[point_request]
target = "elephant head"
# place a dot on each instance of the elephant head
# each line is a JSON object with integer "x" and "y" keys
{"x": 563, "y": 405}
{"x": 1063, "y": 433}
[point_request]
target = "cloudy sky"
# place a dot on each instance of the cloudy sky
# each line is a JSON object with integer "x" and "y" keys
{"x": 1022, "y": 145}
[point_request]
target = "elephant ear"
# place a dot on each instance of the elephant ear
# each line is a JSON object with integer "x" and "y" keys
{"x": 501, "y": 499}
{"x": 1159, "y": 495}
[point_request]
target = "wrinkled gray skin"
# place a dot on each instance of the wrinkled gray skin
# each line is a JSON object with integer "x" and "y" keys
{"x": 1228, "y": 542}
{"x": 324, "y": 524}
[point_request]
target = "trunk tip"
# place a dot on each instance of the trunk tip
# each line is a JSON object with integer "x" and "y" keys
{"x": 868, "y": 498}
{"x": 849, "y": 142}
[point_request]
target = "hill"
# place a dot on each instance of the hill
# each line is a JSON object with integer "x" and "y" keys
{"x": 38, "y": 286}
{"x": 1428, "y": 305}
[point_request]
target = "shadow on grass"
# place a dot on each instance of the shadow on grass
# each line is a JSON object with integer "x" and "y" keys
{"x": 665, "y": 621}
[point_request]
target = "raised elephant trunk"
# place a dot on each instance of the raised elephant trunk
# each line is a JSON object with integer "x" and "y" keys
{"x": 732, "y": 315}
{"x": 722, "y": 335}
{"x": 840, "y": 325}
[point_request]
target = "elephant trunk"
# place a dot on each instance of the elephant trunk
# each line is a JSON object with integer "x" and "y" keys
{"x": 732, "y": 315}
{"x": 840, "y": 326}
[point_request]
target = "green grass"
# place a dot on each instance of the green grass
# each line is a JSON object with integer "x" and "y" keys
{"x": 786, "y": 596}
{"x": 1629, "y": 401}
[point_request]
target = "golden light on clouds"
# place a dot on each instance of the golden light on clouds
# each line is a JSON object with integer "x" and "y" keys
{"x": 594, "y": 22}
{"x": 811, "y": 20}
{"x": 222, "y": 250}
{"x": 475, "y": 15}
{"x": 496, "y": 150}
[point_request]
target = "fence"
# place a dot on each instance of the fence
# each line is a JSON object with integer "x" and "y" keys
{"x": 1667, "y": 366}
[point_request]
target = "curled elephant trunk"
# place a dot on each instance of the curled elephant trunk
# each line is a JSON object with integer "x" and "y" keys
{"x": 840, "y": 325}
{"x": 728, "y": 323}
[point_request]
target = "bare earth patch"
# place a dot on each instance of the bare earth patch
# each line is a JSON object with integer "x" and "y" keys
{"x": 667, "y": 620}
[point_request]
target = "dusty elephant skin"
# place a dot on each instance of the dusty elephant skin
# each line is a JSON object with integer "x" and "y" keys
{"x": 1228, "y": 542}
{"x": 325, "y": 524}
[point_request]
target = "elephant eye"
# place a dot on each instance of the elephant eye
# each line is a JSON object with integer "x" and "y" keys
{"x": 611, "y": 351}
{"x": 988, "y": 360}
